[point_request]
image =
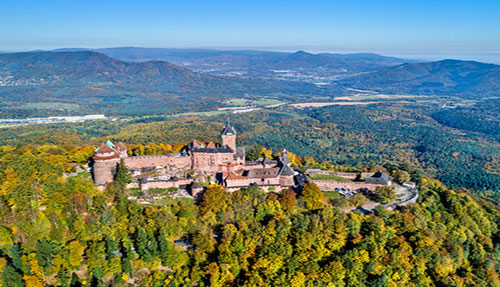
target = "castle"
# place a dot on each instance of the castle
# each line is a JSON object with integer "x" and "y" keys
{"x": 223, "y": 163}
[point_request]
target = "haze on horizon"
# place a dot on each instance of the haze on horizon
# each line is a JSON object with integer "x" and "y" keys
{"x": 413, "y": 29}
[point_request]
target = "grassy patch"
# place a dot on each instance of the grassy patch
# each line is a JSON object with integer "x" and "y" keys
{"x": 328, "y": 177}
{"x": 84, "y": 174}
{"x": 332, "y": 195}
{"x": 267, "y": 102}
{"x": 237, "y": 102}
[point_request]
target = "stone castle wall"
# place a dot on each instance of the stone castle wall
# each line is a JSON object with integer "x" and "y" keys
{"x": 265, "y": 188}
{"x": 158, "y": 160}
{"x": 351, "y": 185}
{"x": 165, "y": 183}
{"x": 287, "y": 180}
{"x": 275, "y": 181}
{"x": 248, "y": 181}
{"x": 211, "y": 162}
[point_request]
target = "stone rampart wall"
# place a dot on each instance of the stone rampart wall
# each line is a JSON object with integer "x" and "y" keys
{"x": 165, "y": 183}
{"x": 351, "y": 185}
{"x": 158, "y": 160}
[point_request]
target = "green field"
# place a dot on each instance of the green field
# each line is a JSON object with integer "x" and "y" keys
{"x": 328, "y": 177}
{"x": 237, "y": 102}
{"x": 331, "y": 194}
{"x": 267, "y": 102}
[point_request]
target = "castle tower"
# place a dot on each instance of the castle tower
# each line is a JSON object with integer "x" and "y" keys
{"x": 228, "y": 135}
{"x": 122, "y": 150}
{"x": 286, "y": 173}
{"x": 105, "y": 161}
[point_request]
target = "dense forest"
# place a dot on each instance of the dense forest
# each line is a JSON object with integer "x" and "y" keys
{"x": 482, "y": 118}
{"x": 61, "y": 231}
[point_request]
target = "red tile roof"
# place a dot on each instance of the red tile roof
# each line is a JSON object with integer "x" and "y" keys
{"x": 103, "y": 148}
{"x": 233, "y": 176}
{"x": 121, "y": 147}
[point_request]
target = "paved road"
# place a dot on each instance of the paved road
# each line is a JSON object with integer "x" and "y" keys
{"x": 405, "y": 193}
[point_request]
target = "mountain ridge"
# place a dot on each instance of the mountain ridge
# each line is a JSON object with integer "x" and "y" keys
{"x": 299, "y": 65}
{"x": 445, "y": 77}
{"x": 101, "y": 83}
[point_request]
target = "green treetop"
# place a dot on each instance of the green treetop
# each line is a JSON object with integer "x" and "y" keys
{"x": 123, "y": 174}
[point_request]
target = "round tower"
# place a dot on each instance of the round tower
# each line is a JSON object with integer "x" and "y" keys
{"x": 105, "y": 161}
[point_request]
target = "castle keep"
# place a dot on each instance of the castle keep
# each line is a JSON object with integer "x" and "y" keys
{"x": 223, "y": 163}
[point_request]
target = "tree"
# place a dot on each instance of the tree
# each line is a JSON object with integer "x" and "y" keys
{"x": 122, "y": 173}
{"x": 254, "y": 153}
{"x": 142, "y": 244}
{"x": 44, "y": 251}
{"x": 384, "y": 194}
{"x": 312, "y": 196}
{"x": 401, "y": 176}
{"x": 117, "y": 191}
{"x": 11, "y": 278}
{"x": 288, "y": 199}
{"x": 214, "y": 199}
{"x": 76, "y": 250}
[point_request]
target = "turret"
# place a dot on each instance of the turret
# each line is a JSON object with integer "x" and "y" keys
{"x": 122, "y": 150}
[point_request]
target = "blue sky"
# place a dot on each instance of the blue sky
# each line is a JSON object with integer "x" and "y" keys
{"x": 439, "y": 28}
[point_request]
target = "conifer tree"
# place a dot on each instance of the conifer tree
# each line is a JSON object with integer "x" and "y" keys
{"x": 11, "y": 278}
{"x": 164, "y": 246}
{"x": 142, "y": 244}
{"x": 122, "y": 173}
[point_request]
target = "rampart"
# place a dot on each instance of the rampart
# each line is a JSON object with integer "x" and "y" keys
{"x": 165, "y": 183}
{"x": 158, "y": 160}
{"x": 331, "y": 185}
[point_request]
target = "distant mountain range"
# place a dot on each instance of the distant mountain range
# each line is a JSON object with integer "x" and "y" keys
{"x": 467, "y": 79}
{"x": 83, "y": 81}
{"x": 302, "y": 66}
{"x": 97, "y": 82}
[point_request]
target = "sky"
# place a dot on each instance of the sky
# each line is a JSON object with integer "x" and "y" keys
{"x": 424, "y": 28}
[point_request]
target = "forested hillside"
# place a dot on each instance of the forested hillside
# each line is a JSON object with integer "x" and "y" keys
{"x": 483, "y": 118}
{"x": 363, "y": 137}
{"x": 467, "y": 79}
{"x": 61, "y": 231}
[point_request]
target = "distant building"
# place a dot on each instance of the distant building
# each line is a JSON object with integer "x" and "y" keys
{"x": 379, "y": 178}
